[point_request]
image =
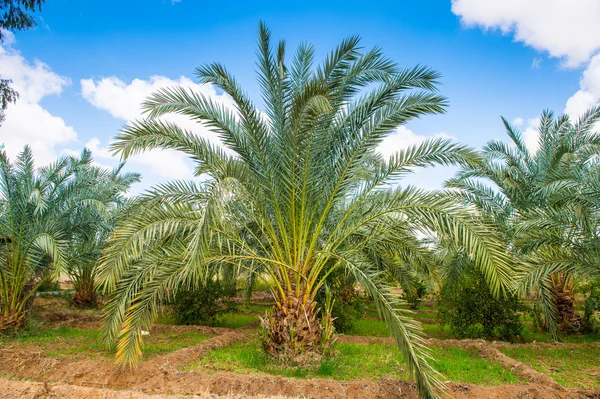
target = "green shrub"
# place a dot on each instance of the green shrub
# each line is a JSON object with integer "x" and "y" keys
{"x": 591, "y": 290}
{"x": 415, "y": 298}
{"x": 204, "y": 305}
{"x": 468, "y": 307}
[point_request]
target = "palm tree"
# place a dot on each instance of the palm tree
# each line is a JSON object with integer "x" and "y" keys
{"x": 293, "y": 193}
{"x": 89, "y": 228}
{"x": 41, "y": 228}
{"x": 546, "y": 205}
{"x": 31, "y": 246}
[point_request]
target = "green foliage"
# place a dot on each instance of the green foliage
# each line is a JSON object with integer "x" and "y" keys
{"x": 47, "y": 216}
{"x": 537, "y": 316}
{"x": 347, "y": 305}
{"x": 467, "y": 305}
{"x": 294, "y": 190}
{"x": 592, "y": 304}
{"x": 16, "y": 14}
{"x": 90, "y": 227}
{"x": 204, "y": 305}
{"x": 415, "y": 296}
{"x": 546, "y": 206}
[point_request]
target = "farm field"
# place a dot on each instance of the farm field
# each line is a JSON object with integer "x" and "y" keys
{"x": 60, "y": 356}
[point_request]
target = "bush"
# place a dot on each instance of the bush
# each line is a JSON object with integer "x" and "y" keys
{"x": 204, "y": 305}
{"x": 468, "y": 307}
{"x": 415, "y": 298}
{"x": 591, "y": 290}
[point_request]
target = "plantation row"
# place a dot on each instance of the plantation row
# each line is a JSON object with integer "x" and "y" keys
{"x": 297, "y": 200}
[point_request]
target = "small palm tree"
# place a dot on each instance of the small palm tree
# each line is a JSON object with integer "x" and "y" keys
{"x": 31, "y": 242}
{"x": 89, "y": 228}
{"x": 45, "y": 223}
{"x": 293, "y": 193}
{"x": 545, "y": 203}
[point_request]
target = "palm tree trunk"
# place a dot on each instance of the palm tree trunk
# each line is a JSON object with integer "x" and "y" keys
{"x": 293, "y": 331}
{"x": 13, "y": 313}
{"x": 564, "y": 300}
{"x": 85, "y": 295}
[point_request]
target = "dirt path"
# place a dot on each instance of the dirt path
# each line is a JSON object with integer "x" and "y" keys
{"x": 10, "y": 389}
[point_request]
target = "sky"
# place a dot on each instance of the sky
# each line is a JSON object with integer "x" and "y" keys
{"x": 84, "y": 70}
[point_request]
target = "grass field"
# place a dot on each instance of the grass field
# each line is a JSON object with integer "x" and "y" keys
{"x": 79, "y": 342}
{"x": 571, "y": 367}
{"x": 358, "y": 361}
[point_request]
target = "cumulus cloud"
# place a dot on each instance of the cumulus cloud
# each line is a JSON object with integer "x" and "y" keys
{"x": 27, "y": 122}
{"x": 402, "y": 138}
{"x": 564, "y": 28}
{"x": 123, "y": 100}
{"x": 589, "y": 90}
{"x": 530, "y": 133}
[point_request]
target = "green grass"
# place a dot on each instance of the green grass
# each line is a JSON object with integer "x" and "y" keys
{"x": 570, "y": 367}
{"x": 372, "y": 326}
{"x": 356, "y": 361}
{"x": 235, "y": 320}
{"x": 68, "y": 341}
{"x": 227, "y": 320}
{"x": 245, "y": 315}
{"x": 463, "y": 366}
{"x": 378, "y": 328}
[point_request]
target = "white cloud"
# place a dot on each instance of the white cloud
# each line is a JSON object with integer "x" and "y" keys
{"x": 168, "y": 163}
{"x": 8, "y": 37}
{"x": 589, "y": 90}
{"x": 531, "y": 135}
{"x": 26, "y": 121}
{"x": 402, "y": 138}
{"x": 568, "y": 29}
{"x": 123, "y": 100}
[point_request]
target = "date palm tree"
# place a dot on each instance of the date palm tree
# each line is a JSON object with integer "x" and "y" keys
{"x": 546, "y": 204}
{"x": 89, "y": 228}
{"x": 33, "y": 232}
{"x": 294, "y": 192}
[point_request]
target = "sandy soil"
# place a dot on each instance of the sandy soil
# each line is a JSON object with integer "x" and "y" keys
{"x": 159, "y": 376}
{"x": 162, "y": 377}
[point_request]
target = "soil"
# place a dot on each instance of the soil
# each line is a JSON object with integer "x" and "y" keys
{"x": 37, "y": 390}
{"x": 162, "y": 377}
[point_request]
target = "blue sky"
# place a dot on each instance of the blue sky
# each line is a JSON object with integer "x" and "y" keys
{"x": 510, "y": 58}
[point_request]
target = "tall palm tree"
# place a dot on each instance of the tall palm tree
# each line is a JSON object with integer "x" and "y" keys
{"x": 546, "y": 204}
{"x": 293, "y": 193}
